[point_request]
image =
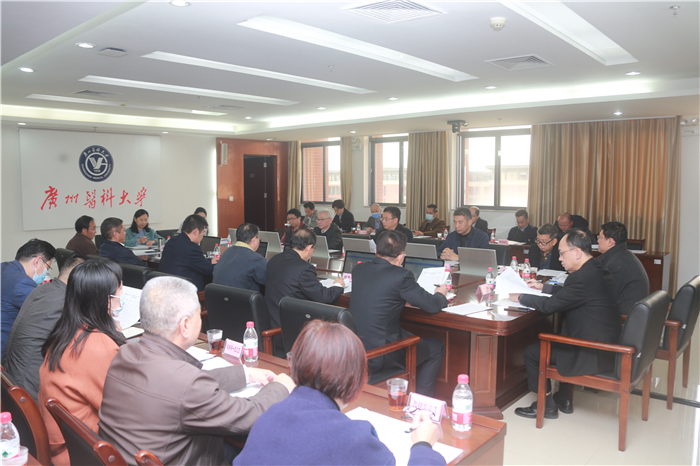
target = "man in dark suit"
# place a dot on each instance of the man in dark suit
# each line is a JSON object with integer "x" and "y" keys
{"x": 463, "y": 236}
{"x": 291, "y": 274}
{"x": 343, "y": 217}
{"x": 544, "y": 254}
{"x": 523, "y": 232}
{"x": 588, "y": 302}
{"x": 114, "y": 233}
{"x": 380, "y": 290}
{"x": 478, "y": 222}
{"x": 391, "y": 220}
{"x": 330, "y": 230}
{"x": 626, "y": 269}
{"x": 240, "y": 266}
{"x": 182, "y": 255}
{"x": 565, "y": 221}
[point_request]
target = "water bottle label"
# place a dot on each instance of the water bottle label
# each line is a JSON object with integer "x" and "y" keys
{"x": 462, "y": 418}
{"x": 250, "y": 352}
{"x": 526, "y": 275}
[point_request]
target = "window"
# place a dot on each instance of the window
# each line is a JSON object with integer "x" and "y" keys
{"x": 320, "y": 179}
{"x": 388, "y": 162}
{"x": 495, "y": 168}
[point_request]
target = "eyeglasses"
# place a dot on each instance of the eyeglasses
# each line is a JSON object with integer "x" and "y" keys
{"x": 46, "y": 264}
{"x": 323, "y": 219}
{"x": 386, "y": 219}
{"x": 561, "y": 253}
{"x": 289, "y": 219}
{"x": 543, "y": 243}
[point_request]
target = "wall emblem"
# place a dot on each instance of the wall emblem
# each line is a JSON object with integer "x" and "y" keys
{"x": 96, "y": 163}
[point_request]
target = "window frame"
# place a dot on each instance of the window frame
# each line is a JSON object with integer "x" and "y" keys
{"x": 381, "y": 140}
{"x": 325, "y": 145}
{"x": 497, "y": 166}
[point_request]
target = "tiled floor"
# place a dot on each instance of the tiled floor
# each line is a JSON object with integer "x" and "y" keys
{"x": 590, "y": 434}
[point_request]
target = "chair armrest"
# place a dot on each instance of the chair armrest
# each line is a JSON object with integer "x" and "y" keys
{"x": 391, "y": 347}
{"x": 588, "y": 343}
{"x": 267, "y": 339}
{"x": 673, "y": 323}
{"x": 272, "y": 332}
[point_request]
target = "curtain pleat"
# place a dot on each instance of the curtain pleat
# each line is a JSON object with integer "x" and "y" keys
{"x": 294, "y": 184}
{"x": 346, "y": 171}
{"x": 626, "y": 171}
{"x": 428, "y": 180}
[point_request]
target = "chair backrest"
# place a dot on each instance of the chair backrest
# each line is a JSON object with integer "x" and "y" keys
{"x": 99, "y": 239}
{"x": 154, "y": 273}
{"x": 146, "y": 458}
{"x": 636, "y": 244}
{"x": 166, "y": 233}
{"x": 98, "y": 258}
{"x": 84, "y": 446}
{"x": 642, "y": 330}
{"x": 27, "y": 419}
{"x": 230, "y": 308}
{"x": 295, "y": 313}
{"x": 685, "y": 309}
{"x": 61, "y": 256}
{"x": 134, "y": 275}
{"x": 503, "y": 255}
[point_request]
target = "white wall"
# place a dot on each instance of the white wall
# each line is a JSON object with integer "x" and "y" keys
{"x": 188, "y": 181}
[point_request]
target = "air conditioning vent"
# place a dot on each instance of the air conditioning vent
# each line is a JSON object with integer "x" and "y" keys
{"x": 94, "y": 93}
{"x": 394, "y": 11}
{"x": 225, "y": 107}
{"x": 525, "y": 62}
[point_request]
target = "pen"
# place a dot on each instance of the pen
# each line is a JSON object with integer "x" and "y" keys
{"x": 412, "y": 429}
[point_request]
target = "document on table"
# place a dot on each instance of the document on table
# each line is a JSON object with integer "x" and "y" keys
{"x": 130, "y": 313}
{"x": 466, "y": 309}
{"x": 131, "y": 332}
{"x": 549, "y": 273}
{"x": 509, "y": 282}
{"x": 328, "y": 282}
{"x": 432, "y": 276}
{"x": 506, "y": 302}
{"x": 392, "y": 433}
{"x": 200, "y": 354}
{"x": 637, "y": 251}
{"x": 215, "y": 363}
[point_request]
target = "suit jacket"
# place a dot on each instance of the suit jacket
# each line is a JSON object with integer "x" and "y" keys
{"x": 118, "y": 253}
{"x": 380, "y": 291}
{"x": 16, "y": 286}
{"x": 312, "y": 220}
{"x": 527, "y": 236}
{"x": 290, "y": 275}
{"x": 79, "y": 388}
{"x": 482, "y": 225}
{"x": 475, "y": 239}
{"x": 373, "y": 223}
{"x": 181, "y": 256}
{"x": 36, "y": 318}
{"x": 535, "y": 257}
{"x": 240, "y": 267}
{"x": 157, "y": 397}
{"x": 588, "y": 302}
{"x": 82, "y": 244}
{"x": 400, "y": 228}
{"x": 288, "y": 233}
{"x": 333, "y": 236}
{"x": 629, "y": 275}
{"x": 307, "y": 428}
{"x": 432, "y": 228}
{"x": 346, "y": 223}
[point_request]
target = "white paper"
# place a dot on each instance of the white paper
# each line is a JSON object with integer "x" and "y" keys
{"x": 328, "y": 282}
{"x": 509, "y": 282}
{"x": 549, "y": 273}
{"x": 466, "y": 309}
{"x": 249, "y": 390}
{"x": 200, "y": 354}
{"x": 392, "y": 433}
{"x": 131, "y": 332}
{"x": 506, "y": 302}
{"x": 145, "y": 252}
{"x": 130, "y": 313}
{"x": 452, "y": 263}
{"x": 215, "y": 363}
{"x": 431, "y": 276}
{"x": 637, "y": 251}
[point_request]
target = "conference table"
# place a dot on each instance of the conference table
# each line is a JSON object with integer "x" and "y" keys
{"x": 482, "y": 445}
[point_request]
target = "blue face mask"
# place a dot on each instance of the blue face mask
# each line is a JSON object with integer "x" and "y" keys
{"x": 39, "y": 278}
{"x": 429, "y": 217}
{"x": 115, "y": 312}
{"x": 376, "y": 214}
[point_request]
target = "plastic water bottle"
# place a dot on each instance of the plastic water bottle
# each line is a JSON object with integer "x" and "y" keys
{"x": 444, "y": 234}
{"x": 462, "y": 401}
{"x": 527, "y": 274}
{"x": 493, "y": 236}
{"x": 167, "y": 239}
{"x": 217, "y": 251}
{"x": 9, "y": 438}
{"x": 250, "y": 343}
{"x": 489, "y": 297}
{"x": 490, "y": 277}
{"x": 448, "y": 280}
{"x": 514, "y": 264}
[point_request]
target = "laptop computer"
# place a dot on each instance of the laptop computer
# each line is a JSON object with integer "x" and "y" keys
{"x": 208, "y": 243}
{"x": 429, "y": 251}
{"x": 352, "y": 258}
{"x": 262, "y": 249}
{"x": 417, "y": 264}
{"x": 232, "y": 234}
{"x": 272, "y": 239}
{"x": 473, "y": 261}
{"x": 354, "y": 244}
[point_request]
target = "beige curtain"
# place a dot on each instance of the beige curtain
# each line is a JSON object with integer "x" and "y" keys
{"x": 626, "y": 171}
{"x": 294, "y": 184}
{"x": 428, "y": 176}
{"x": 346, "y": 171}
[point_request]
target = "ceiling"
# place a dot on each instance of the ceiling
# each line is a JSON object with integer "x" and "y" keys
{"x": 646, "y": 37}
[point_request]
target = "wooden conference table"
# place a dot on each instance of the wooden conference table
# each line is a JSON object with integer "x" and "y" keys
{"x": 482, "y": 445}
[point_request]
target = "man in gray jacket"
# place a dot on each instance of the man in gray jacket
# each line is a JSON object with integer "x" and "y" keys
{"x": 157, "y": 397}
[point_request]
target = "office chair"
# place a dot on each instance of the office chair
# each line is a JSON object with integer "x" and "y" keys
{"x": 98, "y": 258}
{"x": 166, "y": 233}
{"x": 62, "y": 255}
{"x": 134, "y": 275}
{"x": 146, "y": 458}
{"x": 99, "y": 239}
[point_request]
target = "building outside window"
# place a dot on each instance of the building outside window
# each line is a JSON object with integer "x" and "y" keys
{"x": 320, "y": 176}
{"x": 388, "y": 164}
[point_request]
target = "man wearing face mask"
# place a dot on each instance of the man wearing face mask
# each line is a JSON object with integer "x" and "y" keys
{"x": 432, "y": 225}
{"x": 374, "y": 222}
{"x": 20, "y": 277}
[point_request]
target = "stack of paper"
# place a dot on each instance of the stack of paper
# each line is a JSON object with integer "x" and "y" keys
{"x": 509, "y": 282}
{"x": 466, "y": 309}
{"x": 130, "y": 313}
{"x": 431, "y": 277}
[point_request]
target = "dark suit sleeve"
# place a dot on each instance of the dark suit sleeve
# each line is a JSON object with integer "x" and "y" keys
{"x": 417, "y": 296}
{"x": 511, "y": 233}
{"x": 314, "y": 291}
{"x": 259, "y": 270}
{"x": 335, "y": 239}
{"x": 569, "y": 297}
{"x": 483, "y": 242}
{"x": 423, "y": 454}
{"x": 198, "y": 263}
{"x": 348, "y": 221}
{"x": 128, "y": 257}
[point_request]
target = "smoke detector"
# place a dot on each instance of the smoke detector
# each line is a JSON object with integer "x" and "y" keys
{"x": 498, "y": 23}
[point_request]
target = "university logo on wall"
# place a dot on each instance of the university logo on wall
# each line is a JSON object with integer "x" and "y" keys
{"x": 96, "y": 163}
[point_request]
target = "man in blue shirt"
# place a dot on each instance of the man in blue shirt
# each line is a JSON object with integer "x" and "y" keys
{"x": 464, "y": 236}
{"x": 20, "y": 277}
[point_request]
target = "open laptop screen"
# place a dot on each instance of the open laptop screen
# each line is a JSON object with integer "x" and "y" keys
{"x": 352, "y": 258}
{"x": 417, "y": 264}
{"x": 208, "y": 243}
{"x": 262, "y": 249}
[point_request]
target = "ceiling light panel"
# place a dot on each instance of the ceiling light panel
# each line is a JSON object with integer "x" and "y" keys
{"x": 323, "y": 38}
{"x": 185, "y": 90}
{"x": 185, "y": 60}
{"x": 78, "y": 100}
{"x": 564, "y": 23}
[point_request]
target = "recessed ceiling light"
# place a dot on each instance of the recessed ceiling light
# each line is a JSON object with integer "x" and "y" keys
{"x": 320, "y": 108}
{"x": 393, "y": 98}
{"x": 268, "y": 139}
{"x": 618, "y": 113}
{"x": 26, "y": 70}
{"x": 85, "y": 45}
{"x": 22, "y": 124}
{"x": 490, "y": 87}
{"x": 165, "y": 132}
{"x": 180, "y": 3}
{"x": 633, "y": 73}
{"x": 248, "y": 118}
{"x": 352, "y": 131}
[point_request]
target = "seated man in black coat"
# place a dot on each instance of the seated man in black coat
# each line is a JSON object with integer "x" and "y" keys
{"x": 328, "y": 229}
{"x": 114, "y": 233}
{"x": 478, "y": 222}
{"x": 391, "y": 220}
{"x": 544, "y": 254}
{"x": 343, "y": 217}
{"x": 565, "y": 221}
{"x": 627, "y": 270}
{"x": 182, "y": 255}
{"x": 380, "y": 290}
{"x": 240, "y": 266}
{"x": 588, "y": 302}
{"x": 524, "y": 232}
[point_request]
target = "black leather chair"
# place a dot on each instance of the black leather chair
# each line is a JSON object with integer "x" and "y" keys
{"x": 27, "y": 419}
{"x": 229, "y": 309}
{"x": 99, "y": 239}
{"x": 134, "y": 275}
{"x": 98, "y": 258}
{"x": 635, "y": 354}
{"x": 85, "y": 447}
{"x": 503, "y": 255}
{"x": 295, "y": 313}
{"x": 680, "y": 324}
{"x": 155, "y": 273}
{"x": 61, "y": 256}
